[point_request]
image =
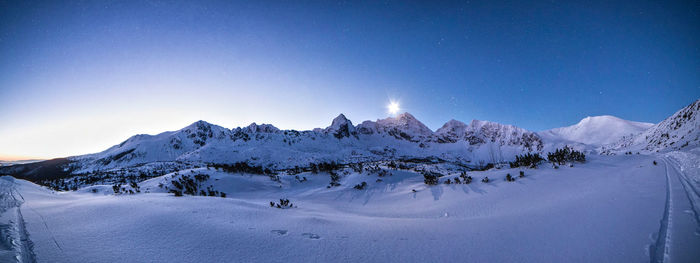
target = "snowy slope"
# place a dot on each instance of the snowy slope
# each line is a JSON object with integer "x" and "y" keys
{"x": 596, "y": 131}
{"x": 680, "y": 131}
{"x": 608, "y": 210}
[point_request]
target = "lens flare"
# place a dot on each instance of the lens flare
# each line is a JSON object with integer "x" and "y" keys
{"x": 393, "y": 107}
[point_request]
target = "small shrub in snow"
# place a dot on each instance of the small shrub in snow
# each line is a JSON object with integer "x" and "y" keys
{"x": 334, "y": 179}
{"x": 566, "y": 154}
{"x": 324, "y": 167}
{"x": 527, "y": 160}
{"x": 654, "y": 162}
{"x": 485, "y": 180}
{"x": 448, "y": 181}
{"x": 284, "y": 203}
{"x": 522, "y": 174}
{"x": 275, "y": 178}
{"x": 242, "y": 167}
{"x": 188, "y": 185}
{"x": 357, "y": 167}
{"x": 467, "y": 179}
{"x": 382, "y": 173}
{"x": 135, "y": 186}
{"x": 201, "y": 177}
{"x": 510, "y": 178}
{"x": 361, "y": 186}
{"x": 431, "y": 178}
{"x": 301, "y": 180}
{"x": 457, "y": 181}
{"x": 116, "y": 188}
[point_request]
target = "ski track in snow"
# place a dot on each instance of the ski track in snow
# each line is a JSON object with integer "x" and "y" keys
{"x": 16, "y": 245}
{"x": 43, "y": 220}
{"x": 691, "y": 192}
{"x": 660, "y": 249}
{"x": 671, "y": 238}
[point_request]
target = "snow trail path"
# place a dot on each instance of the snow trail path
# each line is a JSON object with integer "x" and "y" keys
{"x": 678, "y": 238}
{"x": 15, "y": 245}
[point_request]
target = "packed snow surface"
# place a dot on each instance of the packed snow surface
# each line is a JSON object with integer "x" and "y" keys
{"x": 610, "y": 209}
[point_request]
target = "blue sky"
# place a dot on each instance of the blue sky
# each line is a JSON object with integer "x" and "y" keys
{"x": 77, "y": 77}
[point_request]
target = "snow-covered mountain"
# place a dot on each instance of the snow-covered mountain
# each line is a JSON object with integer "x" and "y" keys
{"x": 595, "y": 131}
{"x": 402, "y": 136}
{"x": 129, "y": 181}
{"x": 680, "y": 131}
{"x": 341, "y": 127}
{"x": 402, "y": 127}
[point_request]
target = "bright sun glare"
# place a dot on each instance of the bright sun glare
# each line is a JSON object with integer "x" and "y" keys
{"x": 393, "y": 107}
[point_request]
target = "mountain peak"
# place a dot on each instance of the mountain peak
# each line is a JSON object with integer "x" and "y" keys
{"x": 406, "y": 120}
{"x": 264, "y": 128}
{"x": 406, "y": 116}
{"x": 476, "y": 124}
{"x": 341, "y": 127}
{"x": 451, "y": 131}
{"x": 601, "y": 118}
{"x": 199, "y": 123}
{"x": 341, "y": 119}
{"x": 403, "y": 126}
{"x": 452, "y": 125}
{"x": 597, "y": 130}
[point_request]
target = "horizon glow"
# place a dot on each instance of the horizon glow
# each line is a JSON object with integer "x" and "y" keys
{"x": 79, "y": 77}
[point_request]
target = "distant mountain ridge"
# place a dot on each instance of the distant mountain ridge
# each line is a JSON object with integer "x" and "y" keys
{"x": 597, "y": 130}
{"x": 402, "y": 136}
{"x": 393, "y": 138}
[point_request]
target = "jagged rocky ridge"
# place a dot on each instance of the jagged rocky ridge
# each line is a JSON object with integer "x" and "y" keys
{"x": 399, "y": 137}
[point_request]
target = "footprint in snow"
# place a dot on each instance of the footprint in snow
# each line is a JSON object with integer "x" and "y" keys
{"x": 279, "y": 232}
{"x": 311, "y": 236}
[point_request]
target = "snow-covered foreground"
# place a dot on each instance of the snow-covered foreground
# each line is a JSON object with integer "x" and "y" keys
{"x": 611, "y": 209}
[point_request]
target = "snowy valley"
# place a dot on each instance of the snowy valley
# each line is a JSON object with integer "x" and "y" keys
{"x": 602, "y": 190}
